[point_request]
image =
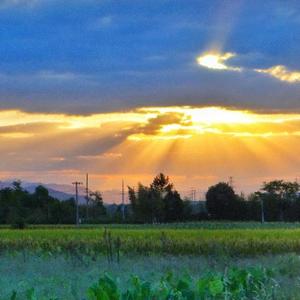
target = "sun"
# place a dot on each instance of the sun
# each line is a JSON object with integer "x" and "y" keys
{"x": 216, "y": 61}
{"x": 211, "y": 61}
{"x": 219, "y": 115}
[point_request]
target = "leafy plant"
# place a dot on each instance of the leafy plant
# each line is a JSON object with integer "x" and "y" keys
{"x": 105, "y": 289}
{"x": 234, "y": 284}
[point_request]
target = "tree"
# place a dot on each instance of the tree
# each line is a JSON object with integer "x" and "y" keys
{"x": 222, "y": 203}
{"x": 17, "y": 213}
{"x": 161, "y": 183}
{"x": 42, "y": 197}
{"x": 174, "y": 208}
{"x": 97, "y": 207}
{"x": 281, "y": 192}
{"x": 156, "y": 203}
{"x": 147, "y": 204}
{"x": 170, "y": 202}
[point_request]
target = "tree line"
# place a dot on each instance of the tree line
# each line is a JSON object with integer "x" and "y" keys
{"x": 277, "y": 200}
{"x": 159, "y": 202}
{"x": 19, "y": 207}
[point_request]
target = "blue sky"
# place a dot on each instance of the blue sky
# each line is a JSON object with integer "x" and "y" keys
{"x": 76, "y": 76}
{"x": 94, "y": 56}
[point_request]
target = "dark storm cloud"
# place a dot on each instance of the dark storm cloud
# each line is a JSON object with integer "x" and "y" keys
{"x": 154, "y": 125}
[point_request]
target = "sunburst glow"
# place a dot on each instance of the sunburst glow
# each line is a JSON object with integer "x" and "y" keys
{"x": 215, "y": 60}
{"x": 178, "y": 139}
{"x": 192, "y": 121}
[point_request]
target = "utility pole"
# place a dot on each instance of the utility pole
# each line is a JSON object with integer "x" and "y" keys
{"x": 76, "y": 183}
{"x": 193, "y": 194}
{"x": 123, "y": 201}
{"x": 87, "y": 196}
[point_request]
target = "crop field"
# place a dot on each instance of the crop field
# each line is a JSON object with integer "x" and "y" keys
{"x": 178, "y": 261}
{"x": 149, "y": 240}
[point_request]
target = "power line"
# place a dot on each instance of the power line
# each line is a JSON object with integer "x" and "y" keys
{"x": 77, "y": 183}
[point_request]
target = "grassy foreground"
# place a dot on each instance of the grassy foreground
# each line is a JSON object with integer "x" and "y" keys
{"x": 235, "y": 284}
{"x": 208, "y": 260}
{"x": 149, "y": 278}
{"x": 150, "y": 240}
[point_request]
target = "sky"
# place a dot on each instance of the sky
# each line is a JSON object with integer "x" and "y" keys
{"x": 200, "y": 90}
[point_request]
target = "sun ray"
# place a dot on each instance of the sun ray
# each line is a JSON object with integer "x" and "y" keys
{"x": 183, "y": 141}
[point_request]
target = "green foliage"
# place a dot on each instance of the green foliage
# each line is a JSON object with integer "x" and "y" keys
{"x": 278, "y": 200}
{"x": 139, "y": 290}
{"x": 95, "y": 207}
{"x": 157, "y": 203}
{"x": 18, "y": 207}
{"x": 234, "y": 284}
{"x": 105, "y": 289}
{"x": 223, "y": 204}
{"x": 30, "y": 295}
{"x": 282, "y": 194}
{"x": 13, "y": 295}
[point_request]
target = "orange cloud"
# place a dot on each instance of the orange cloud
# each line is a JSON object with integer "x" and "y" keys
{"x": 188, "y": 143}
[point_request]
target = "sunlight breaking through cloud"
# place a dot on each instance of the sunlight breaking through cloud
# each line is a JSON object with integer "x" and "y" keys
{"x": 192, "y": 121}
{"x": 216, "y": 61}
{"x": 178, "y": 139}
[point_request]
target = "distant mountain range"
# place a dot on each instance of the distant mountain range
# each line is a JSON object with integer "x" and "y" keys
{"x": 64, "y": 192}
{"x": 60, "y": 192}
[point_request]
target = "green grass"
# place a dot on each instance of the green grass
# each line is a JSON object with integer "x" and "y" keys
{"x": 235, "y": 242}
{"x": 187, "y": 225}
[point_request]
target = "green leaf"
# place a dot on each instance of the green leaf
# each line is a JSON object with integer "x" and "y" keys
{"x": 216, "y": 287}
{"x": 13, "y": 296}
{"x": 30, "y": 295}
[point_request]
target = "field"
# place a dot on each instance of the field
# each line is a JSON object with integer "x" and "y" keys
{"x": 240, "y": 260}
{"x": 144, "y": 240}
